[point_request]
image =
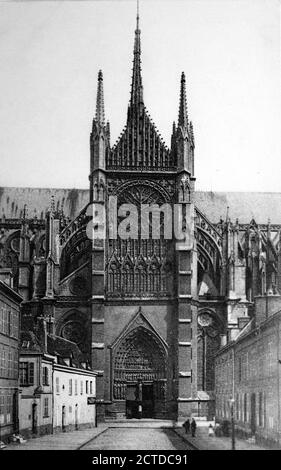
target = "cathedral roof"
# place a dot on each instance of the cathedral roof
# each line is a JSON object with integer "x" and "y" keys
{"x": 242, "y": 205}
{"x": 37, "y": 201}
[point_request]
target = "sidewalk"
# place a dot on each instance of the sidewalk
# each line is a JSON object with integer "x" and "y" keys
{"x": 202, "y": 441}
{"x": 61, "y": 441}
{"x": 75, "y": 439}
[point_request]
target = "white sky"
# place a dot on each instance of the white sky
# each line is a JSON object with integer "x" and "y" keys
{"x": 50, "y": 54}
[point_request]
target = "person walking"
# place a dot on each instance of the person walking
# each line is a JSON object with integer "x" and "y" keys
{"x": 193, "y": 427}
{"x": 186, "y": 426}
{"x": 211, "y": 430}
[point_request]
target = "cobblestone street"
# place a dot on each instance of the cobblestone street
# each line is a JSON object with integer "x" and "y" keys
{"x": 133, "y": 438}
{"x": 134, "y": 435}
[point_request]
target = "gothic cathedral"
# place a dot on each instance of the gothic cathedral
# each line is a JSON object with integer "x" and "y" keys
{"x": 148, "y": 314}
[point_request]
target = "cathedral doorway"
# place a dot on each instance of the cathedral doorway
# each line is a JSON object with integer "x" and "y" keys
{"x": 139, "y": 400}
{"x": 147, "y": 401}
{"x": 140, "y": 374}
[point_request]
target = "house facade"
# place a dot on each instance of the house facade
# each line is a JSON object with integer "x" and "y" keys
{"x": 74, "y": 398}
{"x": 248, "y": 370}
{"x": 9, "y": 352}
{"x": 57, "y": 386}
{"x": 36, "y": 393}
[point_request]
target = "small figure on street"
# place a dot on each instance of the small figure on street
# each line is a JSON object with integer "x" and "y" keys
{"x": 193, "y": 427}
{"x": 211, "y": 430}
{"x": 186, "y": 425}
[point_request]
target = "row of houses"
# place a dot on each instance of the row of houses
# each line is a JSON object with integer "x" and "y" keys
{"x": 248, "y": 374}
{"x": 45, "y": 383}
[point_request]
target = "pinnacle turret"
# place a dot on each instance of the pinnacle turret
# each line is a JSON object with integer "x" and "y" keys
{"x": 183, "y": 118}
{"x": 100, "y": 117}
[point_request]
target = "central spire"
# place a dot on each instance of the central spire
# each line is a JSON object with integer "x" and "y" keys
{"x": 136, "y": 89}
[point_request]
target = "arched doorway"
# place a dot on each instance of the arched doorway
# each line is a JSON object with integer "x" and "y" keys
{"x": 139, "y": 369}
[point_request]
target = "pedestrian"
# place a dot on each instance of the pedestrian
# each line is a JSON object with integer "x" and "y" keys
{"x": 140, "y": 411}
{"x": 186, "y": 425}
{"x": 193, "y": 427}
{"x": 211, "y": 430}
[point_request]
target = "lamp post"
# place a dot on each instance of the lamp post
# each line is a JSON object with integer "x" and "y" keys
{"x": 232, "y": 401}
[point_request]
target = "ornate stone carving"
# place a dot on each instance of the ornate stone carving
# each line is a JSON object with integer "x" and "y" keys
{"x": 139, "y": 358}
{"x": 138, "y": 267}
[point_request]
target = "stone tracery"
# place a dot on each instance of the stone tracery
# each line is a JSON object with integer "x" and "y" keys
{"x": 139, "y": 357}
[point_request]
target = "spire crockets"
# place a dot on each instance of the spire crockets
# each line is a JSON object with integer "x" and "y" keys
{"x": 183, "y": 117}
{"x": 136, "y": 89}
{"x": 100, "y": 135}
{"x": 100, "y": 118}
{"x": 184, "y": 135}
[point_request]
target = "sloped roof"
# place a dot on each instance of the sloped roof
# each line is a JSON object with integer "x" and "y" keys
{"x": 64, "y": 348}
{"x": 29, "y": 342}
{"x": 242, "y": 205}
{"x": 56, "y": 346}
{"x": 37, "y": 200}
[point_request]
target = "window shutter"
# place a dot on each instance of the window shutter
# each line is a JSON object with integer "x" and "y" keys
{"x": 31, "y": 373}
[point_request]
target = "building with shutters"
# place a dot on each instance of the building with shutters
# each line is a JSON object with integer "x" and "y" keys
{"x": 9, "y": 348}
{"x": 57, "y": 386}
{"x": 248, "y": 370}
{"x": 36, "y": 387}
{"x": 74, "y": 397}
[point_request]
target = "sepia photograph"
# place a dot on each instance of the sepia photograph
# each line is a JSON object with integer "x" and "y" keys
{"x": 140, "y": 228}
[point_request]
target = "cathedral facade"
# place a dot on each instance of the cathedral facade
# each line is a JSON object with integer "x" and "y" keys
{"x": 148, "y": 313}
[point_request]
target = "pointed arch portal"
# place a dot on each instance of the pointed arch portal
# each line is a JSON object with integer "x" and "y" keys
{"x": 139, "y": 369}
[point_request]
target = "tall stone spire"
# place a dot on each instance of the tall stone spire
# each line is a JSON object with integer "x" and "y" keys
{"x": 185, "y": 137}
{"x": 183, "y": 118}
{"x": 136, "y": 88}
{"x": 100, "y": 118}
{"x": 100, "y": 136}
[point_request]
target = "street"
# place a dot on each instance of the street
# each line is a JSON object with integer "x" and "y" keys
{"x": 136, "y": 438}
